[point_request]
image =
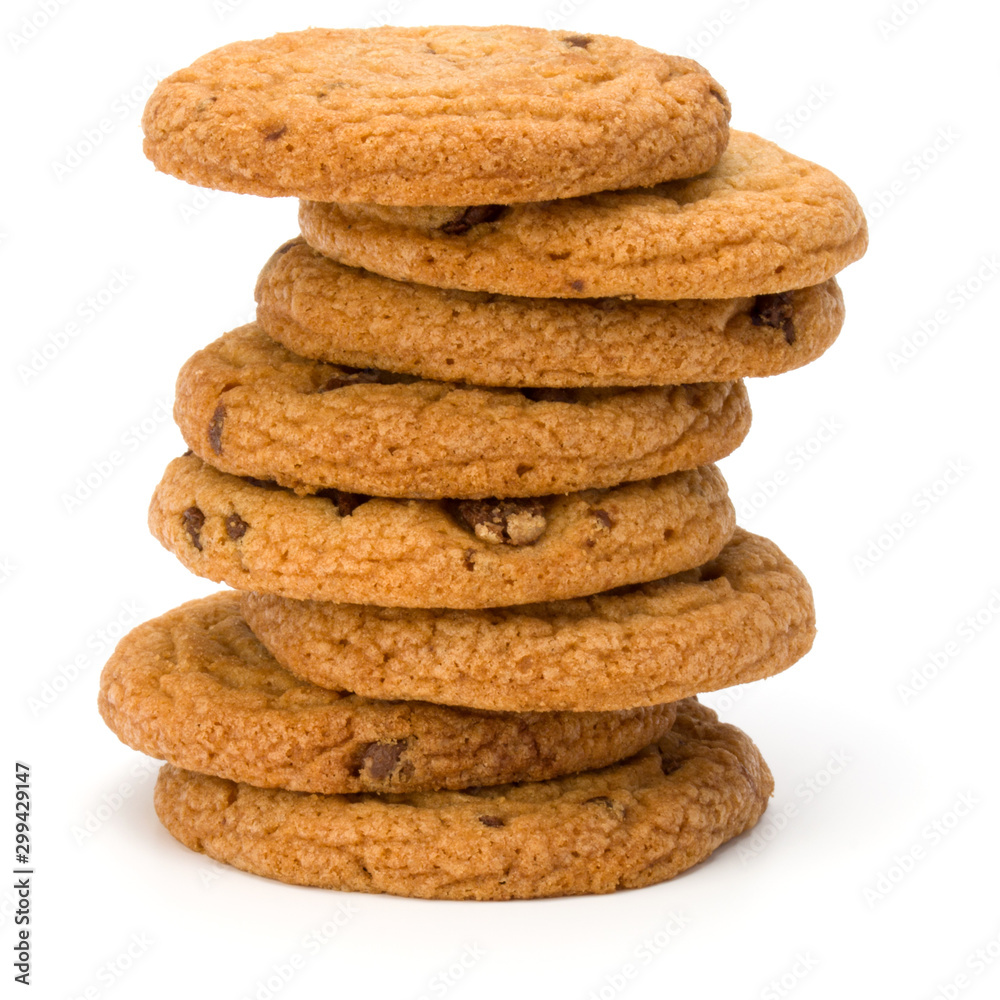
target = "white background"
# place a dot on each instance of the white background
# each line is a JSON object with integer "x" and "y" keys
{"x": 850, "y": 887}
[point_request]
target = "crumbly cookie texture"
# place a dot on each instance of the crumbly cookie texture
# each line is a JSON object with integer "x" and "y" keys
{"x": 250, "y": 407}
{"x": 196, "y": 687}
{"x": 425, "y": 116}
{"x": 325, "y": 310}
{"x": 745, "y": 615}
{"x": 762, "y": 221}
{"x": 629, "y": 825}
{"x": 428, "y": 553}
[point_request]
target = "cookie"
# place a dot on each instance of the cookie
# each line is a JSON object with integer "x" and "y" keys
{"x": 632, "y": 824}
{"x": 196, "y": 687}
{"x": 745, "y": 615}
{"x": 427, "y": 553}
{"x": 762, "y": 221}
{"x": 425, "y": 116}
{"x": 325, "y": 310}
{"x": 249, "y": 406}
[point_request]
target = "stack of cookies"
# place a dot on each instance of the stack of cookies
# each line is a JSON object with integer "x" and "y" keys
{"x": 460, "y": 470}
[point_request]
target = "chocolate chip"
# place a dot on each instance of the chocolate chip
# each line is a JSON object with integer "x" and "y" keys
{"x": 604, "y": 518}
{"x": 236, "y": 527}
{"x": 276, "y": 134}
{"x": 193, "y": 520}
{"x": 565, "y": 255}
{"x": 510, "y": 522}
{"x": 775, "y": 311}
{"x": 350, "y": 376}
{"x": 472, "y": 216}
{"x": 493, "y": 821}
{"x": 379, "y": 760}
{"x": 615, "y": 808}
{"x": 577, "y": 285}
{"x": 578, "y": 41}
{"x": 346, "y": 503}
{"x": 215, "y": 429}
{"x": 670, "y": 762}
{"x": 523, "y": 469}
{"x": 469, "y": 559}
{"x": 263, "y": 484}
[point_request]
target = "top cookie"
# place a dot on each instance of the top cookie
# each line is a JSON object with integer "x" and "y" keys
{"x": 761, "y": 221}
{"x": 435, "y": 116}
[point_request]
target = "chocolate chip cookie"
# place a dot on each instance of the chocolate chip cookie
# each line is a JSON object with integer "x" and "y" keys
{"x": 249, "y": 406}
{"x": 325, "y": 310}
{"x": 428, "y": 553}
{"x": 196, "y": 687}
{"x": 745, "y": 615}
{"x": 425, "y": 116}
{"x": 632, "y": 824}
{"x": 760, "y": 222}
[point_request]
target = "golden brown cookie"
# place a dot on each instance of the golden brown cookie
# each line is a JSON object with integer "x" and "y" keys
{"x": 250, "y": 407}
{"x": 428, "y": 553}
{"x": 761, "y": 221}
{"x": 425, "y": 116}
{"x": 628, "y": 825}
{"x": 325, "y": 310}
{"x": 196, "y": 687}
{"x": 745, "y": 615}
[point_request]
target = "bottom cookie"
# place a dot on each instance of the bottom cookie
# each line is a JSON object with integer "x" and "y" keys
{"x": 632, "y": 824}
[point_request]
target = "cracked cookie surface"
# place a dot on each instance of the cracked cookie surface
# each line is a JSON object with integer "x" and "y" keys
{"x": 632, "y": 824}
{"x": 195, "y": 687}
{"x": 423, "y": 553}
{"x": 249, "y": 406}
{"x": 425, "y": 116}
{"x": 745, "y": 615}
{"x": 761, "y": 221}
{"x": 325, "y": 310}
